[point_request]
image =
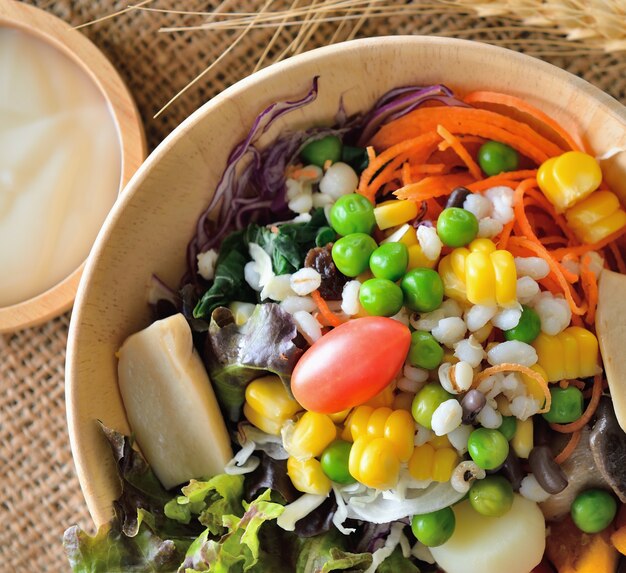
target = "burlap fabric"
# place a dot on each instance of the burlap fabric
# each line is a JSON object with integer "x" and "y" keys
{"x": 40, "y": 493}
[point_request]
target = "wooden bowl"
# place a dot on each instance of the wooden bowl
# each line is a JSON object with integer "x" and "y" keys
{"x": 148, "y": 230}
{"x": 72, "y": 43}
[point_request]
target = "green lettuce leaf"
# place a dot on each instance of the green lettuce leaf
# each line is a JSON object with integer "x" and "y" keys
{"x": 397, "y": 563}
{"x": 235, "y": 355}
{"x": 238, "y": 550}
{"x": 209, "y": 501}
{"x": 324, "y": 553}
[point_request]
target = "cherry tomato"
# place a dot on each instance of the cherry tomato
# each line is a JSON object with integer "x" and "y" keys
{"x": 350, "y": 364}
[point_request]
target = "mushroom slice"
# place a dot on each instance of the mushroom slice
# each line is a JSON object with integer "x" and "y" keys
{"x": 608, "y": 446}
{"x": 581, "y": 473}
{"x": 611, "y": 331}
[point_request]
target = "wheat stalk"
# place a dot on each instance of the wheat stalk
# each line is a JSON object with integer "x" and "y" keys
{"x": 561, "y": 27}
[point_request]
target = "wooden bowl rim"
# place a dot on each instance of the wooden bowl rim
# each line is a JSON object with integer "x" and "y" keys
{"x": 98, "y": 506}
{"x": 128, "y": 125}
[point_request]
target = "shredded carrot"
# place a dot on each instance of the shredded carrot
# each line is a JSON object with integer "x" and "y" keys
{"x": 510, "y": 367}
{"x": 328, "y": 314}
{"x": 590, "y": 288}
{"x": 469, "y": 121}
{"x": 371, "y": 153}
{"x": 553, "y": 240}
{"x": 588, "y": 413}
{"x": 458, "y": 148}
{"x": 521, "y": 105}
{"x": 505, "y": 234}
{"x": 433, "y": 186}
{"x": 444, "y": 145}
{"x": 567, "y": 451}
{"x": 544, "y": 204}
{"x": 585, "y": 248}
{"x": 430, "y": 169}
{"x": 406, "y": 174}
{"x": 509, "y": 179}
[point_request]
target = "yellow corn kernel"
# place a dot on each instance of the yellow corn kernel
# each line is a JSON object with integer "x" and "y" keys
{"x": 421, "y": 462}
{"x": 376, "y": 422}
{"x": 483, "y": 333}
{"x": 307, "y": 476}
{"x": 522, "y": 441}
{"x": 357, "y": 422}
{"x": 596, "y": 217}
{"x": 418, "y": 260}
{"x": 383, "y": 399}
{"x": 505, "y": 277}
{"x": 486, "y": 246}
{"x": 532, "y": 386}
{"x": 572, "y": 353}
{"x": 268, "y": 404}
{"x": 340, "y": 417}
{"x": 480, "y": 278}
{"x": 569, "y": 178}
{"x": 453, "y": 286}
{"x": 409, "y": 238}
{"x": 458, "y": 258}
{"x": 439, "y": 442}
{"x": 394, "y": 212}
{"x": 311, "y": 434}
{"x": 374, "y": 463}
{"x": 400, "y": 431}
{"x": 444, "y": 462}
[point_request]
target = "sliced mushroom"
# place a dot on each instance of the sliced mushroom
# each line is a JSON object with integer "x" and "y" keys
{"x": 611, "y": 331}
{"x": 581, "y": 473}
{"x": 608, "y": 446}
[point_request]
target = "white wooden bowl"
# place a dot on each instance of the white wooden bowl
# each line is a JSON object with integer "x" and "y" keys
{"x": 148, "y": 230}
{"x": 59, "y": 35}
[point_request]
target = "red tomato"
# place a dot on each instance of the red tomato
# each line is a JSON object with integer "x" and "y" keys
{"x": 350, "y": 364}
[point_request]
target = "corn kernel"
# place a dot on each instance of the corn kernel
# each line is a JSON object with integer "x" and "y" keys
{"x": 418, "y": 260}
{"x": 572, "y": 353}
{"x": 307, "y": 476}
{"x": 376, "y": 422}
{"x": 522, "y": 441}
{"x": 340, "y": 417}
{"x": 358, "y": 421}
{"x": 311, "y": 434}
{"x": 569, "y": 178}
{"x": 400, "y": 431}
{"x": 439, "y": 442}
{"x": 596, "y": 217}
{"x": 486, "y": 246}
{"x": 374, "y": 463}
{"x": 409, "y": 238}
{"x": 444, "y": 462}
{"x": 480, "y": 278}
{"x": 268, "y": 404}
{"x": 453, "y": 286}
{"x": 394, "y": 212}
{"x": 505, "y": 277}
{"x": 421, "y": 462}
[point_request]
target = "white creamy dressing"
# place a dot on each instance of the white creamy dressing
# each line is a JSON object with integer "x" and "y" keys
{"x": 60, "y": 165}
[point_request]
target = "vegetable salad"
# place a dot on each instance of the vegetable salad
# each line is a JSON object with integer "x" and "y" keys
{"x": 397, "y": 319}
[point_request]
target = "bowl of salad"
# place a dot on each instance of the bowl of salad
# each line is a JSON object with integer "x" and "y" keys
{"x": 362, "y": 311}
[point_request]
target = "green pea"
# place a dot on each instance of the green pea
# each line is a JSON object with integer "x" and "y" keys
{"x": 351, "y": 254}
{"x": 491, "y": 496}
{"x": 380, "y": 297}
{"x": 508, "y": 427}
{"x": 355, "y": 157}
{"x": 528, "y": 327}
{"x": 593, "y": 510}
{"x": 389, "y": 261}
{"x": 423, "y": 290}
{"x": 434, "y": 528}
{"x": 334, "y": 462}
{"x": 352, "y": 214}
{"x": 324, "y": 236}
{"x": 321, "y": 150}
{"x": 495, "y": 157}
{"x": 457, "y": 227}
{"x": 488, "y": 448}
{"x": 426, "y": 401}
{"x": 567, "y": 405}
{"x": 425, "y": 351}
